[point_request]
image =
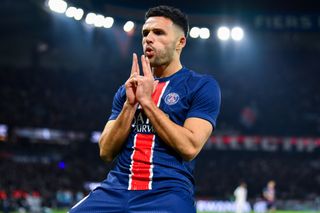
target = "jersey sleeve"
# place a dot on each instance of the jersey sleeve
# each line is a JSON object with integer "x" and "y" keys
{"x": 206, "y": 102}
{"x": 118, "y": 101}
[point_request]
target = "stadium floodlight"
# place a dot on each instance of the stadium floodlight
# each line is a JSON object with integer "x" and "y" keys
{"x": 71, "y": 12}
{"x": 90, "y": 18}
{"x": 95, "y": 136}
{"x": 79, "y": 14}
{"x": 204, "y": 33}
{"x": 128, "y": 26}
{"x": 237, "y": 33}
{"x": 194, "y": 32}
{"x": 108, "y": 22}
{"x": 223, "y": 33}
{"x": 99, "y": 20}
{"x": 46, "y": 133}
{"x": 58, "y": 6}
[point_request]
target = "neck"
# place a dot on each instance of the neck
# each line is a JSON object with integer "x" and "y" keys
{"x": 166, "y": 70}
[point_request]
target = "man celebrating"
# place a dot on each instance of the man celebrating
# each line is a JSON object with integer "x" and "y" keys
{"x": 159, "y": 123}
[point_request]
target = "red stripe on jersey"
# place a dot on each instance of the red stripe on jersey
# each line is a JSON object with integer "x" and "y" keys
{"x": 157, "y": 94}
{"x": 141, "y": 167}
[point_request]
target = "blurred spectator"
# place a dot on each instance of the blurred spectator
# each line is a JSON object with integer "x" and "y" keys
{"x": 269, "y": 194}
{"x": 240, "y": 194}
{"x": 34, "y": 202}
{"x": 64, "y": 198}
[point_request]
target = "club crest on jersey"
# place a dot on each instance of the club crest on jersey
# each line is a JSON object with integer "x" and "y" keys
{"x": 172, "y": 98}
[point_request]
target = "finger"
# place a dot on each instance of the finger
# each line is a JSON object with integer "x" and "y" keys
{"x": 149, "y": 65}
{"x": 133, "y": 66}
{"x": 130, "y": 82}
{"x": 137, "y": 64}
{"x": 145, "y": 66}
{"x": 155, "y": 84}
{"x": 139, "y": 80}
{"x": 133, "y": 80}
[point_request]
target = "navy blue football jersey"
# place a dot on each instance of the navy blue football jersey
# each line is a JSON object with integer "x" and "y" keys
{"x": 145, "y": 161}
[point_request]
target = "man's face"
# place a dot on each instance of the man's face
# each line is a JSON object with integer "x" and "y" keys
{"x": 160, "y": 38}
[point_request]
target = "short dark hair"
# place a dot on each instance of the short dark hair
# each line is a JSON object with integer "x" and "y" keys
{"x": 174, "y": 14}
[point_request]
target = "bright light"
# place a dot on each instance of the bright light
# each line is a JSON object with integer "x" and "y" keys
{"x": 95, "y": 136}
{"x": 78, "y": 14}
{"x": 128, "y": 26}
{"x": 194, "y": 32}
{"x": 58, "y": 6}
{"x": 237, "y": 33}
{"x": 108, "y": 22}
{"x": 75, "y": 13}
{"x": 90, "y": 18}
{"x": 204, "y": 33}
{"x": 99, "y": 20}
{"x": 71, "y": 12}
{"x": 223, "y": 33}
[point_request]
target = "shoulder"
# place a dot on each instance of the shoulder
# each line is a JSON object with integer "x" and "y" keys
{"x": 121, "y": 91}
{"x": 200, "y": 79}
{"x": 120, "y": 95}
{"x": 198, "y": 82}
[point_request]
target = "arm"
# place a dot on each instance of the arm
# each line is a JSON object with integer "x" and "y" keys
{"x": 186, "y": 140}
{"x": 116, "y": 131}
{"x": 112, "y": 140}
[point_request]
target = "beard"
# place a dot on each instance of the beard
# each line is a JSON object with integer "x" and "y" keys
{"x": 163, "y": 56}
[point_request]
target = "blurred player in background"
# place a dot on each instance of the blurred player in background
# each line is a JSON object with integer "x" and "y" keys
{"x": 159, "y": 123}
{"x": 269, "y": 194}
{"x": 240, "y": 197}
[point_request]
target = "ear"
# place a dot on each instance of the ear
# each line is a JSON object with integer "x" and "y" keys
{"x": 181, "y": 42}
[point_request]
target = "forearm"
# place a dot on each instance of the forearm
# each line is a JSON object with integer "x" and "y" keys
{"x": 115, "y": 133}
{"x": 177, "y": 137}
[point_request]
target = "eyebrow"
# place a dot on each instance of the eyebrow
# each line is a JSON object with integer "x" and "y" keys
{"x": 150, "y": 29}
{"x": 153, "y": 29}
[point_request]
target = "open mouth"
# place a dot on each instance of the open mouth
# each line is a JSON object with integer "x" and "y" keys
{"x": 149, "y": 52}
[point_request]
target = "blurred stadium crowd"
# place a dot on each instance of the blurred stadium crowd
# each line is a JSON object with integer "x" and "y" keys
{"x": 59, "y": 175}
{"x": 272, "y": 100}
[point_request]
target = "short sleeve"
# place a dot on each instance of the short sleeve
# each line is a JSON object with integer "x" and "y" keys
{"x": 206, "y": 101}
{"x": 118, "y": 101}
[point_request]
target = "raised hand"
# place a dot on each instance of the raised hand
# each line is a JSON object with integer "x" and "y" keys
{"x": 131, "y": 84}
{"x": 146, "y": 83}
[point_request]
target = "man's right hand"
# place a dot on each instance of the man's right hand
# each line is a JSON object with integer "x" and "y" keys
{"x": 131, "y": 83}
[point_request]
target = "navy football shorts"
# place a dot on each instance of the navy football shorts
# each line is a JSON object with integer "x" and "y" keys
{"x": 103, "y": 200}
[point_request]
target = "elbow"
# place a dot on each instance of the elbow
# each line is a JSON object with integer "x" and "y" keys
{"x": 189, "y": 154}
{"x": 105, "y": 156}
